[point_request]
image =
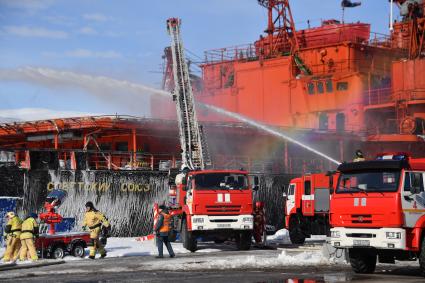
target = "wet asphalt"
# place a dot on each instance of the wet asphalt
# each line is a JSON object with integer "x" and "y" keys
{"x": 139, "y": 269}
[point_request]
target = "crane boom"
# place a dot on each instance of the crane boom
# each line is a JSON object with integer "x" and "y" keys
{"x": 194, "y": 152}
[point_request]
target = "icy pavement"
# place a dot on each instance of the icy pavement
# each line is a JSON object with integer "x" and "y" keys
{"x": 130, "y": 247}
{"x": 222, "y": 256}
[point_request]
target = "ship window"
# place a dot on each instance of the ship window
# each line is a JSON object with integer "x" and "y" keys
{"x": 342, "y": 86}
{"x": 320, "y": 88}
{"x": 329, "y": 86}
{"x": 323, "y": 121}
{"x": 310, "y": 87}
{"x": 121, "y": 146}
{"x": 105, "y": 146}
{"x": 340, "y": 122}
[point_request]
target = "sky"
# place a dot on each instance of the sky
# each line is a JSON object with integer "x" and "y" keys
{"x": 125, "y": 40}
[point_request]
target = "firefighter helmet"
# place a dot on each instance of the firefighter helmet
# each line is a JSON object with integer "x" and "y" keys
{"x": 259, "y": 205}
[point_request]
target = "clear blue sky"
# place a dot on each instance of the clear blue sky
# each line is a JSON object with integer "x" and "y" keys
{"x": 125, "y": 40}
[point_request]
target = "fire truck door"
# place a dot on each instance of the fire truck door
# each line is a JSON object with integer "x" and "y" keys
{"x": 307, "y": 199}
{"x": 290, "y": 201}
{"x": 413, "y": 197}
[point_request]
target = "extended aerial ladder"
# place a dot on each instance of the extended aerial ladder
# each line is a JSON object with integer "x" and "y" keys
{"x": 194, "y": 150}
{"x": 203, "y": 200}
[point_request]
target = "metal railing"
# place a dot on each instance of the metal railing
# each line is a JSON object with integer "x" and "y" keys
{"x": 377, "y": 96}
{"x": 51, "y": 159}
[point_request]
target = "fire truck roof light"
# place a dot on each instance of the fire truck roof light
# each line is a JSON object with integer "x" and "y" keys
{"x": 398, "y": 156}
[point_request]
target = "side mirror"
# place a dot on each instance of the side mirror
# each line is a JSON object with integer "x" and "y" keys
{"x": 256, "y": 181}
{"x": 415, "y": 190}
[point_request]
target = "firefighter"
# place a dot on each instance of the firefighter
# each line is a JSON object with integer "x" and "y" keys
{"x": 259, "y": 222}
{"x": 95, "y": 220}
{"x": 29, "y": 232}
{"x": 162, "y": 229}
{"x": 359, "y": 156}
{"x": 12, "y": 233}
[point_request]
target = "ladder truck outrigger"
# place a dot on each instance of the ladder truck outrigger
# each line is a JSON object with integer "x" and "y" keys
{"x": 212, "y": 204}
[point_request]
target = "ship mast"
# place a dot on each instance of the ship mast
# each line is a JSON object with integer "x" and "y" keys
{"x": 281, "y": 27}
{"x": 414, "y": 23}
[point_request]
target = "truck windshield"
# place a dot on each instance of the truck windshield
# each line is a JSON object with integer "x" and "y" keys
{"x": 221, "y": 181}
{"x": 371, "y": 181}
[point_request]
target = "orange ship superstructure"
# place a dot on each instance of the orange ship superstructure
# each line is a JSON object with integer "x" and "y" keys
{"x": 334, "y": 80}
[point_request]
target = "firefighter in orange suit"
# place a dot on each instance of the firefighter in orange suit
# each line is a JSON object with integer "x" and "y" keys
{"x": 94, "y": 220}
{"x": 12, "y": 233}
{"x": 29, "y": 232}
{"x": 259, "y": 222}
{"x": 162, "y": 229}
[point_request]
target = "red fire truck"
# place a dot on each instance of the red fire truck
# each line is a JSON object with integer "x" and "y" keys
{"x": 307, "y": 206}
{"x": 378, "y": 211}
{"x": 213, "y": 204}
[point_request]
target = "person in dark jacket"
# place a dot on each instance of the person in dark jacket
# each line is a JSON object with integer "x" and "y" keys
{"x": 162, "y": 229}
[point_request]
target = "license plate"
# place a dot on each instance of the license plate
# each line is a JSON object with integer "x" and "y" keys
{"x": 223, "y": 225}
{"x": 361, "y": 243}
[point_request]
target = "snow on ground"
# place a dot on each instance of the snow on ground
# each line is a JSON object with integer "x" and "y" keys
{"x": 211, "y": 258}
{"x": 241, "y": 261}
{"x": 280, "y": 237}
{"x": 124, "y": 247}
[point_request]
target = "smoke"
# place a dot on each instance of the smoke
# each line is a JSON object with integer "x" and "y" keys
{"x": 104, "y": 88}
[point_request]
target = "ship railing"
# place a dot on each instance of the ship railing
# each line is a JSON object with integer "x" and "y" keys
{"x": 250, "y": 51}
{"x": 86, "y": 159}
{"x": 389, "y": 126}
{"x": 328, "y": 67}
{"x": 377, "y": 96}
{"x": 239, "y": 52}
{"x": 380, "y": 40}
{"x": 289, "y": 165}
{"x": 248, "y": 163}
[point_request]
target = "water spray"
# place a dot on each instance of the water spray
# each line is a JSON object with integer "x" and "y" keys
{"x": 50, "y": 77}
{"x": 268, "y": 130}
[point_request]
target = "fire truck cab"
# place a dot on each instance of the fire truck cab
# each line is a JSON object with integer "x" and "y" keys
{"x": 214, "y": 204}
{"x": 378, "y": 211}
{"x": 307, "y": 206}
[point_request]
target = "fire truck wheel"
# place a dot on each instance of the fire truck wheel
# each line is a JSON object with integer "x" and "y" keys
{"x": 243, "y": 241}
{"x": 296, "y": 235}
{"x": 78, "y": 250}
{"x": 362, "y": 261}
{"x": 189, "y": 241}
{"x": 422, "y": 258}
{"x": 58, "y": 252}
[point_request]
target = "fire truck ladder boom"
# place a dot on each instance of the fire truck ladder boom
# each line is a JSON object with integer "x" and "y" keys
{"x": 194, "y": 152}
